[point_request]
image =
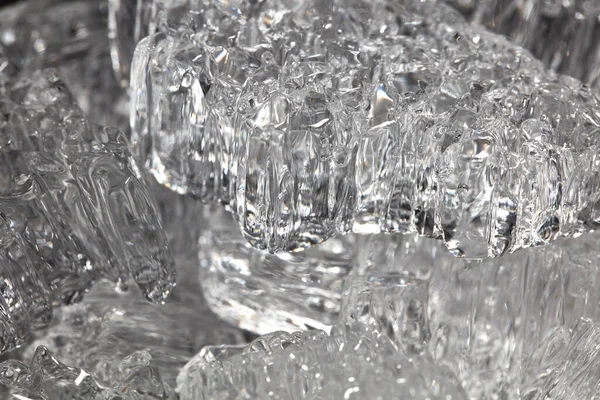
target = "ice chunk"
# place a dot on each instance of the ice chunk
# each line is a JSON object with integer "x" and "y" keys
{"x": 264, "y": 292}
{"x": 128, "y": 23}
{"x": 570, "y": 365}
{"x": 97, "y": 333}
{"x": 76, "y": 205}
{"x": 312, "y": 119}
{"x": 489, "y": 321}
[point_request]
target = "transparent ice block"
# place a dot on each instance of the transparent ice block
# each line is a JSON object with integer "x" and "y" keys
{"x": 312, "y": 119}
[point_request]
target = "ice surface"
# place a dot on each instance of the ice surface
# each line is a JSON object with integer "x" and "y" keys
{"x": 70, "y": 36}
{"x": 309, "y": 119}
{"x": 357, "y": 361}
{"x": 565, "y": 35}
{"x": 264, "y": 292}
{"x": 495, "y": 323}
{"x": 570, "y": 365}
{"x": 74, "y": 208}
{"x": 47, "y": 378}
{"x": 97, "y": 333}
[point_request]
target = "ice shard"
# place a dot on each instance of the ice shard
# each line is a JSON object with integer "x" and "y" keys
{"x": 128, "y": 23}
{"x": 264, "y": 292}
{"x": 74, "y": 208}
{"x": 497, "y": 323}
{"x": 312, "y": 119}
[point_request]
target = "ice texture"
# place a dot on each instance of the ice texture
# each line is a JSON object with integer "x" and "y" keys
{"x": 71, "y": 37}
{"x": 502, "y": 325}
{"x": 358, "y": 361}
{"x": 565, "y": 35}
{"x": 492, "y": 321}
{"x": 97, "y": 333}
{"x": 314, "y": 118}
{"x": 74, "y": 208}
{"x": 264, "y": 292}
{"x": 570, "y": 365}
{"x": 47, "y": 378}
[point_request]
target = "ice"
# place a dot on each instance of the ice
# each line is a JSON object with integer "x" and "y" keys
{"x": 563, "y": 34}
{"x": 97, "y": 333}
{"x": 312, "y": 119}
{"x": 570, "y": 365}
{"x": 74, "y": 208}
{"x": 312, "y": 122}
{"x": 492, "y": 322}
{"x": 106, "y": 327}
{"x": 47, "y": 378}
{"x": 264, "y": 292}
{"x": 357, "y": 361}
{"x": 70, "y": 36}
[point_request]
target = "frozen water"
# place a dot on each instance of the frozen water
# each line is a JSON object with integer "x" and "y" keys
{"x": 264, "y": 292}
{"x": 357, "y": 361}
{"x": 495, "y": 323}
{"x": 97, "y": 333}
{"x": 107, "y": 326}
{"x": 128, "y": 23}
{"x": 47, "y": 378}
{"x": 310, "y": 119}
{"x": 565, "y": 35}
{"x": 74, "y": 208}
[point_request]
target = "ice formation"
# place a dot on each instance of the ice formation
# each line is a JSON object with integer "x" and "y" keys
{"x": 128, "y": 23}
{"x": 264, "y": 292}
{"x": 313, "y": 122}
{"x": 314, "y": 118}
{"x": 73, "y": 205}
{"x": 359, "y": 360}
{"x": 504, "y": 326}
{"x": 96, "y": 334}
{"x": 71, "y": 37}
{"x": 47, "y": 378}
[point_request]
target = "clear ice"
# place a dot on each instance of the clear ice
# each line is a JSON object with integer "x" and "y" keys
{"x": 47, "y": 378}
{"x": 306, "y": 119}
{"x": 358, "y": 361}
{"x": 128, "y": 23}
{"x": 565, "y": 35}
{"x": 263, "y": 292}
{"x": 106, "y": 326}
{"x": 314, "y": 118}
{"x": 524, "y": 323}
{"x": 74, "y": 208}
{"x": 96, "y": 334}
